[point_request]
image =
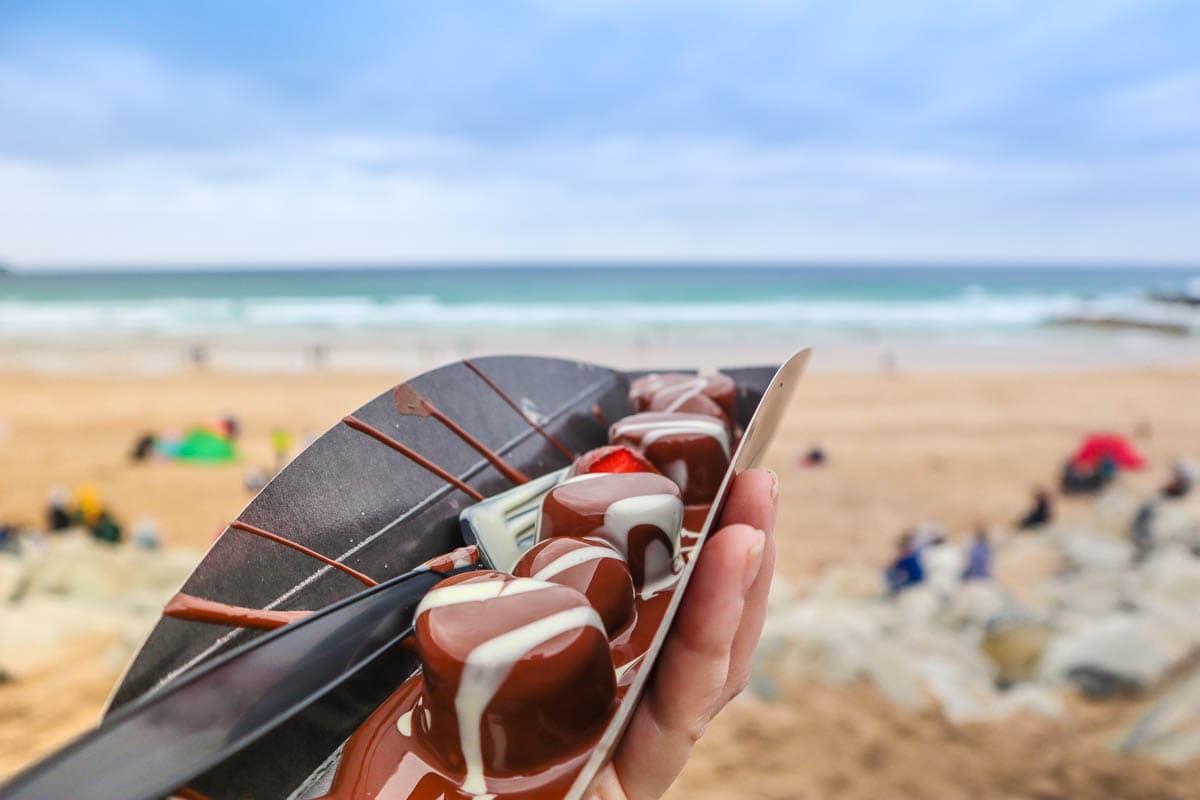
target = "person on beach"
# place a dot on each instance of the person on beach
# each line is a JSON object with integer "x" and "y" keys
{"x": 58, "y": 516}
{"x": 1182, "y": 478}
{"x": 1141, "y": 532}
{"x": 906, "y": 570}
{"x": 1041, "y": 513}
{"x": 814, "y": 457}
{"x": 281, "y": 446}
{"x": 979, "y": 557}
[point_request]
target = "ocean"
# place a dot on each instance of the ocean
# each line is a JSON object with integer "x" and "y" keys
{"x": 643, "y": 307}
{"x": 833, "y": 298}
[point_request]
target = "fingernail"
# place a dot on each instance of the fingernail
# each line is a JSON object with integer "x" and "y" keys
{"x": 753, "y": 560}
{"x": 774, "y": 484}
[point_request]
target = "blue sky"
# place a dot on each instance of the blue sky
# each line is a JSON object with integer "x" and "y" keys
{"x": 155, "y": 133}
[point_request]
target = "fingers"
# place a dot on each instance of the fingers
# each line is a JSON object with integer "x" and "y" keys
{"x": 690, "y": 678}
{"x": 754, "y": 501}
{"x": 754, "y": 614}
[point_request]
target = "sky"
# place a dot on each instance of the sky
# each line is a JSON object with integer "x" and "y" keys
{"x": 227, "y": 132}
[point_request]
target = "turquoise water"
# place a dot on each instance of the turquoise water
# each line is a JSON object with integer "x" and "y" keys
{"x": 829, "y": 298}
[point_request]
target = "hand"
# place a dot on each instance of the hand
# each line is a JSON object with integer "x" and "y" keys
{"x": 706, "y": 661}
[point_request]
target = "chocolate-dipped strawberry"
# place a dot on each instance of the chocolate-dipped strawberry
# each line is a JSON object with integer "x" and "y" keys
{"x": 613, "y": 458}
{"x": 710, "y": 395}
{"x": 517, "y": 675}
{"x": 640, "y": 514}
{"x": 690, "y": 449}
{"x": 589, "y": 565}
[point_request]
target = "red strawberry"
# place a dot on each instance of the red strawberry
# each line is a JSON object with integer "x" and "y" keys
{"x": 614, "y": 458}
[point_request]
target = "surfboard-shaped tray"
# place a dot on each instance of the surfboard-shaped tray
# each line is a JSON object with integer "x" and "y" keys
{"x": 375, "y": 497}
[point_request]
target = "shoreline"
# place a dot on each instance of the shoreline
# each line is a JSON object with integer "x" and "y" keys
{"x": 392, "y": 352}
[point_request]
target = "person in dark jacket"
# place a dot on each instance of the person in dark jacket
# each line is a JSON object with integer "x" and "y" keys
{"x": 1041, "y": 513}
{"x": 906, "y": 570}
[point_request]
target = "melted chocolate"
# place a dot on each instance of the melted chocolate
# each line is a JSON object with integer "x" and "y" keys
{"x": 693, "y": 450}
{"x": 362, "y": 427}
{"x": 638, "y": 513}
{"x": 274, "y": 537}
{"x": 598, "y": 413}
{"x": 389, "y": 758}
{"x": 592, "y": 567}
{"x": 711, "y": 395}
{"x": 522, "y": 674}
{"x": 517, "y": 673}
{"x": 197, "y": 609}
{"x": 410, "y": 401}
{"x": 457, "y": 558}
{"x": 503, "y": 395}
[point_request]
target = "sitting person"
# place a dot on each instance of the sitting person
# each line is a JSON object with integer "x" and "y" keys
{"x": 1041, "y": 513}
{"x": 979, "y": 557}
{"x": 906, "y": 570}
{"x": 58, "y": 516}
{"x": 1181, "y": 481}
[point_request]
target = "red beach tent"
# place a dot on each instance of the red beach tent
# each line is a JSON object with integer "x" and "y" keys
{"x": 1099, "y": 445}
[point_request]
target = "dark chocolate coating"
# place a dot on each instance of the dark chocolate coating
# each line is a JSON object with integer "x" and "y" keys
{"x": 555, "y": 699}
{"x": 580, "y": 507}
{"x": 696, "y": 461}
{"x": 605, "y": 582}
{"x": 711, "y": 395}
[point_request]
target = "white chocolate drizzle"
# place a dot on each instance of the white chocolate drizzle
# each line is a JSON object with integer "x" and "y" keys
{"x": 686, "y": 391}
{"x": 485, "y": 670}
{"x": 476, "y": 592}
{"x": 663, "y": 511}
{"x": 574, "y": 558}
{"x": 653, "y": 430}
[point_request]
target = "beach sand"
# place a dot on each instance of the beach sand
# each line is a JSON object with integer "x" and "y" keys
{"x": 959, "y": 448}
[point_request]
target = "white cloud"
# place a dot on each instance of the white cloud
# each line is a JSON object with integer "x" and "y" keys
{"x": 331, "y": 201}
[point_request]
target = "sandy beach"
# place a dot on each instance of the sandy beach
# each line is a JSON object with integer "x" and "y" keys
{"x": 959, "y": 448}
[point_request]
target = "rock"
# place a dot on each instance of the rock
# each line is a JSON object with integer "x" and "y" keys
{"x": 71, "y": 587}
{"x": 978, "y": 603}
{"x": 1117, "y": 653}
{"x": 1169, "y": 731}
{"x": 944, "y": 565}
{"x": 1176, "y": 523}
{"x": 1113, "y": 512}
{"x": 918, "y": 605}
{"x": 1090, "y": 553}
{"x": 1024, "y": 564}
{"x": 969, "y": 695}
{"x": 780, "y": 594}
{"x": 833, "y": 644}
{"x": 1015, "y": 649}
{"x": 1073, "y": 599}
{"x": 12, "y": 576}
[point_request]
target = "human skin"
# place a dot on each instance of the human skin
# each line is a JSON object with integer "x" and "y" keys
{"x": 707, "y": 658}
